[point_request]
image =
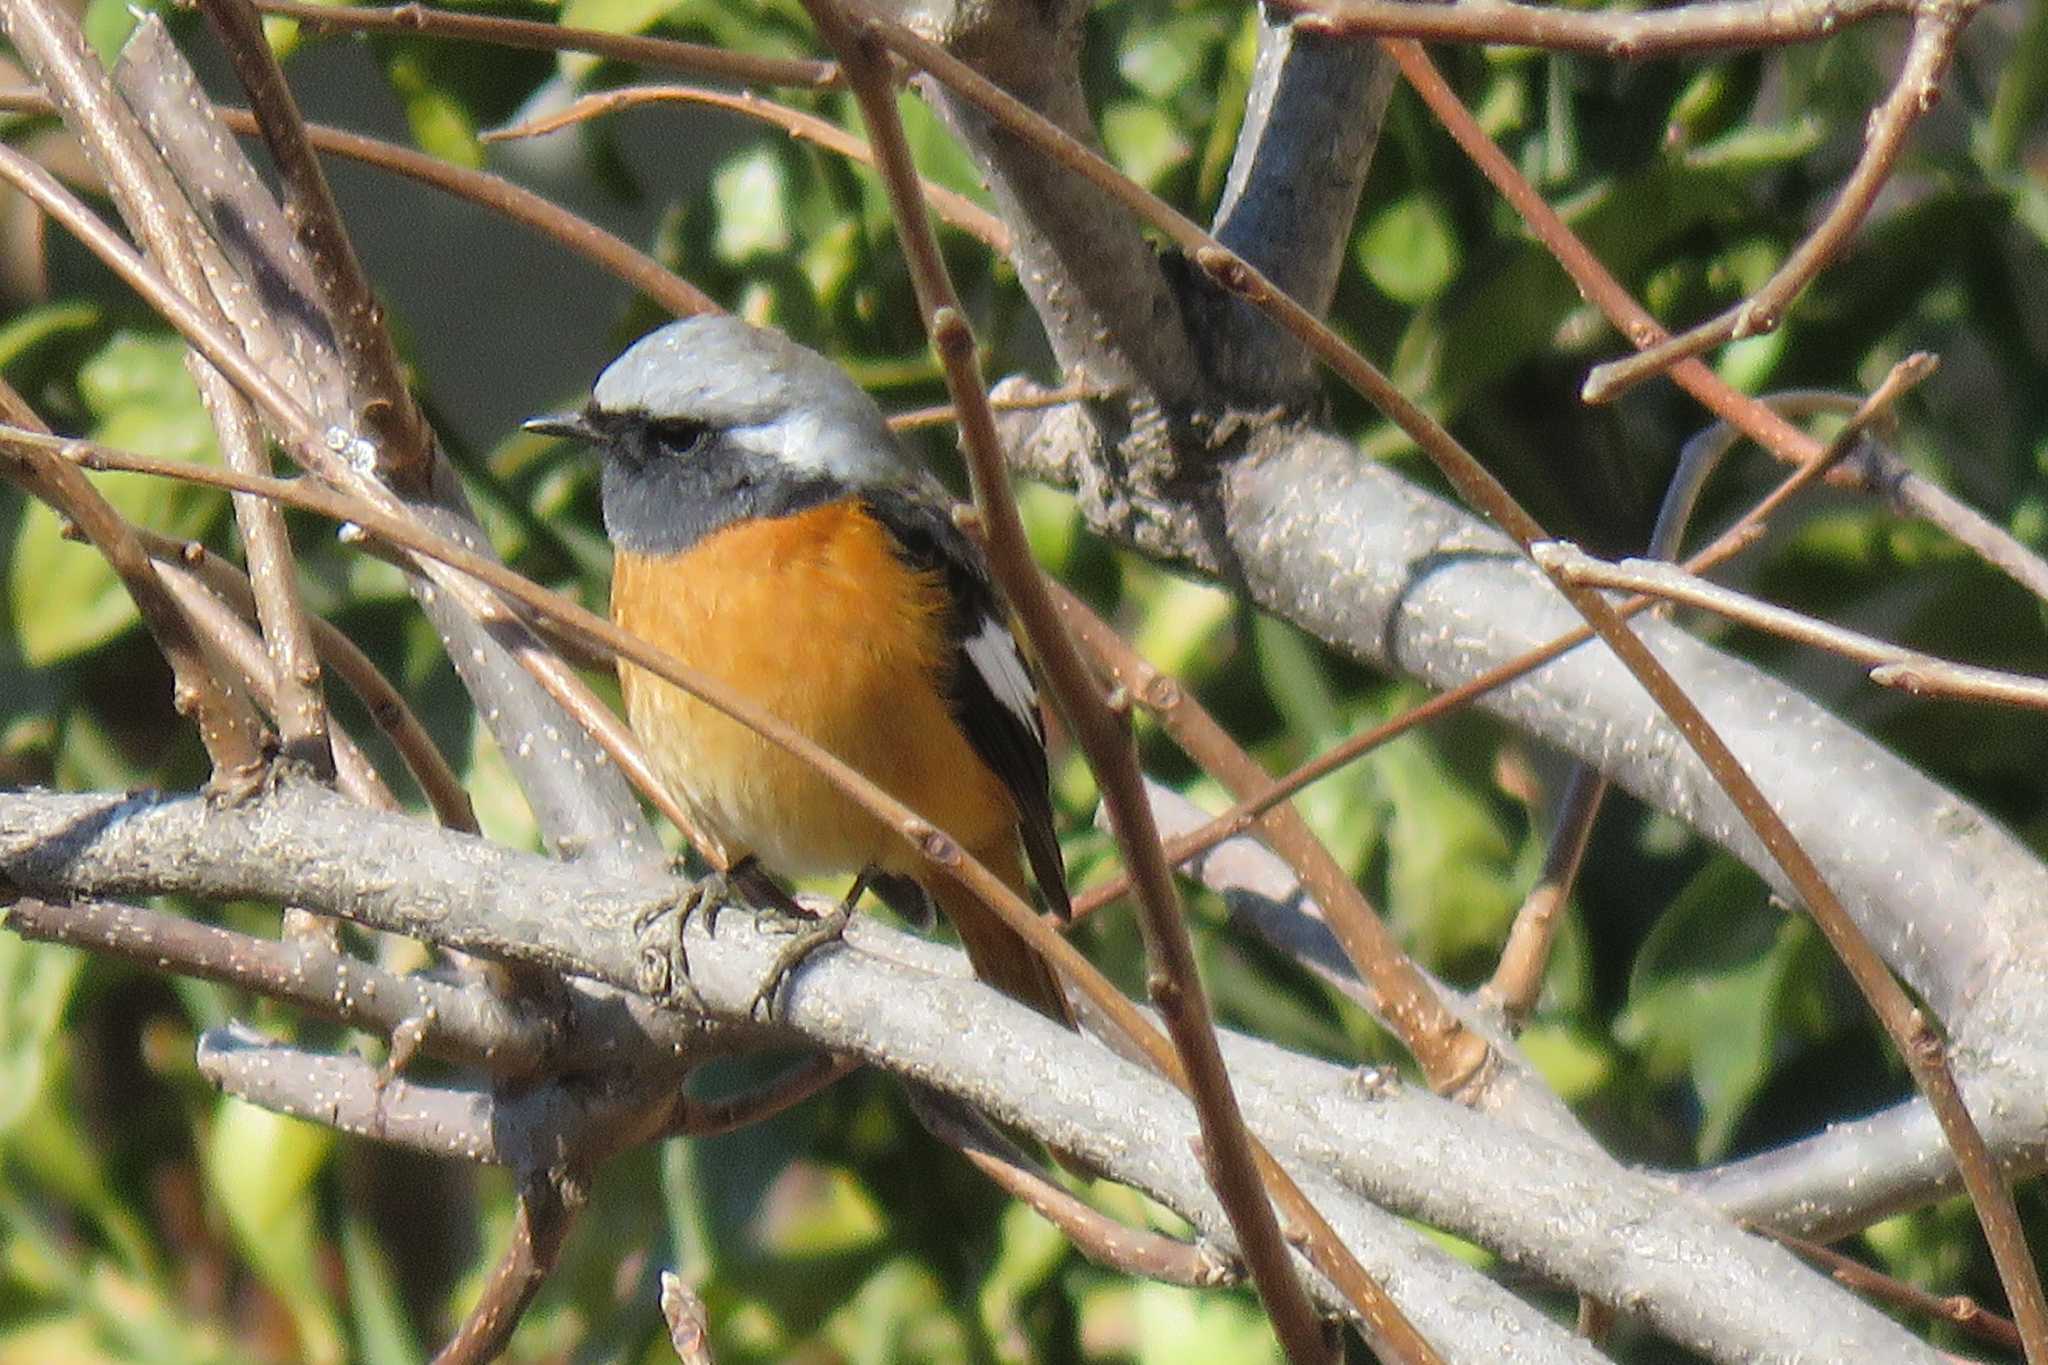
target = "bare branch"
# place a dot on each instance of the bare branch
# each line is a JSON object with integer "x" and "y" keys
{"x": 1312, "y": 120}
{"x": 1936, "y": 29}
{"x": 661, "y": 53}
{"x": 1696, "y": 1278}
{"x": 1451, "y": 1056}
{"x": 956, "y": 210}
{"x": 1708, "y": 26}
{"x": 1889, "y": 664}
{"x": 466, "y": 1024}
{"x": 1102, "y": 1239}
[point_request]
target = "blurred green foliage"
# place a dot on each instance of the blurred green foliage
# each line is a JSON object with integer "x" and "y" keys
{"x": 144, "y": 1219}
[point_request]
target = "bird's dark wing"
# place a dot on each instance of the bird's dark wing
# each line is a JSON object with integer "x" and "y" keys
{"x": 990, "y": 687}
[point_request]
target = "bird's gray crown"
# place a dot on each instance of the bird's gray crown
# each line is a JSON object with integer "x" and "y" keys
{"x": 764, "y": 393}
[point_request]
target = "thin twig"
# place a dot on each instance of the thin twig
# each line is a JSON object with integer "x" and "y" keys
{"x": 711, "y": 1118}
{"x": 548, "y": 1204}
{"x": 1917, "y": 1040}
{"x": 1102, "y": 1239}
{"x": 1517, "y": 980}
{"x": 956, "y": 209}
{"x": 387, "y": 706}
{"x": 1936, "y": 28}
{"x": 1628, "y": 35}
{"x": 663, "y": 53}
{"x": 466, "y": 1024}
{"x": 1957, "y": 1309}
{"x": 1173, "y": 980}
{"x": 1908, "y": 668}
{"x": 1450, "y": 1055}
{"x": 382, "y": 404}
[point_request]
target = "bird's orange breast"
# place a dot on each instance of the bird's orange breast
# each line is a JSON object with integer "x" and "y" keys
{"x": 815, "y": 618}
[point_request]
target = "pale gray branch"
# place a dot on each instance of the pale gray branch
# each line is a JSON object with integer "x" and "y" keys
{"x": 1561, "y": 1211}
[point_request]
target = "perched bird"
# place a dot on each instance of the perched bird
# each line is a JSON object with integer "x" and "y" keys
{"x": 768, "y": 530}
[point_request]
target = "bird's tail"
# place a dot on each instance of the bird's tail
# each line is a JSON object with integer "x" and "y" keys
{"x": 999, "y": 953}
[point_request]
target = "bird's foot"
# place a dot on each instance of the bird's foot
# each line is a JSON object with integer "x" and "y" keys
{"x": 664, "y": 975}
{"x": 820, "y": 931}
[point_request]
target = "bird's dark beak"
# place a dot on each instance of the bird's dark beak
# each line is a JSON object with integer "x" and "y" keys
{"x": 574, "y": 426}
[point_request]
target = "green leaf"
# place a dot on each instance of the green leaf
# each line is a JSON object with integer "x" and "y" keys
{"x": 1408, "y": 250}
{"x": 63, "y": 598}
{"x": 22, "y": 334}
{"x": 440, "y": 123}
{"x": 1163, "y": 1324}
{"x": 260, "y": 1168}
{"x": 383, "y": 1334}
{"x": 1144, "y": 139}
{"x": 1453, "y": 874}
{"x": 751, "y": 191}
{"x": 36, "y": 981}
{"x": 1707, "y": 995}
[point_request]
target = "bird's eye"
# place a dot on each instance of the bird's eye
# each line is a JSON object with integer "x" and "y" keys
{"x": 679, "y": 436}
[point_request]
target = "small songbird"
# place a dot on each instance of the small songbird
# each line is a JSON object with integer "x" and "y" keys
{"x": 769, "y": 531}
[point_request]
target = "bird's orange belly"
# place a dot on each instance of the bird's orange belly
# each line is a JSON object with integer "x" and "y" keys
{"x": 813, "y": 618}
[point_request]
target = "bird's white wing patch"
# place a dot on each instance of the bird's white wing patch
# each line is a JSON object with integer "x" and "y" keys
{"x": 992, "y": 651}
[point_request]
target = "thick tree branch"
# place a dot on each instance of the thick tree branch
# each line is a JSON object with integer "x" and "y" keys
{"x": 1631, "y": 1241}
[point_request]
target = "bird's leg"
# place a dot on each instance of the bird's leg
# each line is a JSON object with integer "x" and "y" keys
{"x": 824, "y": 929}
{"x": 664, "y": 974}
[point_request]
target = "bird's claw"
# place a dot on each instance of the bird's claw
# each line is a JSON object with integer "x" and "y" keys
{"x": 809, "y": 938}
{"x": 664, "y": 975}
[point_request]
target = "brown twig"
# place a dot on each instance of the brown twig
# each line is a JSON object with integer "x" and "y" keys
{"x": 1936, "y": 28}
{"x": 1910, "y": 1031}
{"x": 382, "y": 404}
{"x": 227, "y": 723}
{"x": 1716, "y": 25}
{"x": 386, "y": 705}
{"x": 1450, "y": 1055}
{"x": 1899, "y": 666}
{"x": 1593, "y": 280}
{"x": 467, "y": 1025}
{"x": 1102, "y": 1239}
{"x": 548, "y": 1204}
{"x": 954, "y": 208}
{"x": 1957, "y": 1309}
{"x": 1173, "y": 980}
{"x": 711, "y": 1118}
{"x": 664, "y": 53}
{"x": 1517, "y": 980}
